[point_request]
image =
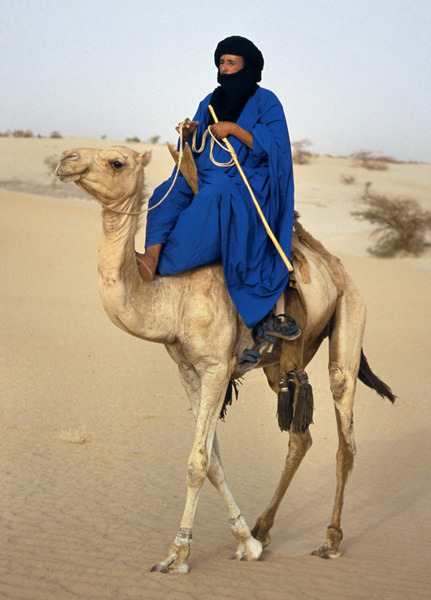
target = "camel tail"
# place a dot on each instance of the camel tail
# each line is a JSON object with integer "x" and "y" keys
{"x": 371, "y": 380}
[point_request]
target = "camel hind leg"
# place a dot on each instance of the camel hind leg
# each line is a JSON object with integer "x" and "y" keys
{"x": 299, "y": 444}
{"x": 345, "y": 344}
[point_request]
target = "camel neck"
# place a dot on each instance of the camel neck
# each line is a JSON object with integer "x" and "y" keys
{"x": 116, "y": 249}
{"x": 126, "y": 298}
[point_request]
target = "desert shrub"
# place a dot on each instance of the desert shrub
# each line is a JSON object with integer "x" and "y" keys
{"x": 23, "y": 134}
{"x": 300, "y": 155}
{"x": 402, "y": 224}
{"x": 56, "y": 135}
{"x": 368, "y": 160}
{"x": 133, "y": 140}
{"x": 347, "y": 179}
{"x": 388, "y": 159}
{"x": 154, "y": 139}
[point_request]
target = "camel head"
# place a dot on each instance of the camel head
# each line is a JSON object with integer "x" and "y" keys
{"x": 110, "y": 176}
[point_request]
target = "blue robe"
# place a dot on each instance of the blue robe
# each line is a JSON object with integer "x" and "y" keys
{"x": 221, "y": 221}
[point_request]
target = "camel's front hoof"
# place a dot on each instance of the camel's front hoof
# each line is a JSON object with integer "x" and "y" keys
{"x": 176, "y": 561}
{"x": 249, "y": 550}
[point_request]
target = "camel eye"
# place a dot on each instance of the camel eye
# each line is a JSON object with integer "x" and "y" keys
{"x": 117, "y": 164}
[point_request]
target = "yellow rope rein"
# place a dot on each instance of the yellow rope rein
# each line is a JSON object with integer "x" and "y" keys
{"x": 214, "y": 141}
{"x": 255, "y": 202}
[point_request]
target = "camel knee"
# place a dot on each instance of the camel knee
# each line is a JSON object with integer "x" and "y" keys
{"x": 215, "y": 473}
{"x": 338, "y": 381}
{"x": 196, "y": 469}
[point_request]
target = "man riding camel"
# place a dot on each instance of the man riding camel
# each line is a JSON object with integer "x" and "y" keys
{"x": 220, "y": 222}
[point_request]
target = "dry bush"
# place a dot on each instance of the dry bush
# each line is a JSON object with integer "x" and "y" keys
{"x": 300, "y": 155}
{"x": 347, "y": 179}
{"x": 133, "y": 140}
{"x": 23, "y": 134}
{"x": 402, "y": 224}
{"x": 368, "y": 160}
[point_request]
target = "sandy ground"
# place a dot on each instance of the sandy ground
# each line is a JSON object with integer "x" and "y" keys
{"x": 87, "y": 520}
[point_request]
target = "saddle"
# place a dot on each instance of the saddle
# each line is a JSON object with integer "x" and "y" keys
{"x": 187, "y": 167}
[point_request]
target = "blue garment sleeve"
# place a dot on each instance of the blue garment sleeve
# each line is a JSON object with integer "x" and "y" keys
{"x": 270, "y": 132}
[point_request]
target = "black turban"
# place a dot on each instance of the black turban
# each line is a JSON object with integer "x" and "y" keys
{"x": 241, "y": 46}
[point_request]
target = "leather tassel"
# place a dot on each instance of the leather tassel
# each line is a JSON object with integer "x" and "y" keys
{"x": 232, "y": 387}
{"x": 303, "y": 416}
{"x": 286, "y": 396}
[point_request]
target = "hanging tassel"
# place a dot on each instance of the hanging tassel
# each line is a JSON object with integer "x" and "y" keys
{"x": 232, "y": 386}
{"x": 304, "y": 405}
{"x": 286, "y": 396}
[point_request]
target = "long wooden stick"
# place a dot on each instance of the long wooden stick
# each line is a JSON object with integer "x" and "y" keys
{"x": 256, "y": 203}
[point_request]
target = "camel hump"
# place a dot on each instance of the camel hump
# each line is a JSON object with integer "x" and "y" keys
{"x": 301, "y": 238}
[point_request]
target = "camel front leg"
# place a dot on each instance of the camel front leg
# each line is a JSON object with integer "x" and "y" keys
{"x": 299, "y": 444}
{"x": 248, "y": 547}
{"x": 199, "y": 465}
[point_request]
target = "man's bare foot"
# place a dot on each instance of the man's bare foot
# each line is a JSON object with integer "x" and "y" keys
{"x": 147, "y": 265}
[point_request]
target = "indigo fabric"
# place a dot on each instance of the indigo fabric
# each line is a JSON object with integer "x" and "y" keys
{"x": 221, "y": 221}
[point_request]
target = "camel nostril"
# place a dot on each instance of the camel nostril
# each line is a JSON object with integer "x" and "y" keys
{"x": 71, "y": 156}
{"x": 67, "y": 156}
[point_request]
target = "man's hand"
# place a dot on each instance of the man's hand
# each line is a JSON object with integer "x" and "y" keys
{"x": 188, "y": 128}
{"x": 224, "y": 128}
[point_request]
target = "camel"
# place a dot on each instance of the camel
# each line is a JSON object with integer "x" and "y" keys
{"x": 194, "y": 317}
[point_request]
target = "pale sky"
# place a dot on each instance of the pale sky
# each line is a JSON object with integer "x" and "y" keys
{"x": 351, "y": 74}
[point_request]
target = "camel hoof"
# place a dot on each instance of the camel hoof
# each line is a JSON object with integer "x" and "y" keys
{"x": 249, "y": 550}
{"x": 331, "y": 546}
{"x": 327, "y": 552}
{"x": 170, "y": 567}
{"x": 175, "y": 563}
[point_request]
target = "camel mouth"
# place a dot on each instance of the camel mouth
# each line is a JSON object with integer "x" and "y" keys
{"x": 69, "y": 178}
{"x": 66, "y": 174}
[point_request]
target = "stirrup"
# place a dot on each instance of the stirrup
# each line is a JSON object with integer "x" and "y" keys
{"x": 251, "y": 357}
{"x": 265, "y": 336}
{"x": 280, "y": 326}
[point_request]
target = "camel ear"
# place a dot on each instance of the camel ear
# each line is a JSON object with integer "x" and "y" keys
{"x": 145, "y": 158}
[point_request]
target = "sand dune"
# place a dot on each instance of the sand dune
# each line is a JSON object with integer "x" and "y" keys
{"x": 96, "y": 429}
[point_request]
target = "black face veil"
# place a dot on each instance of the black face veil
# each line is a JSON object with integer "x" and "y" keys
{"x": 234, "y": 90}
